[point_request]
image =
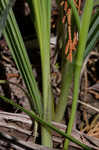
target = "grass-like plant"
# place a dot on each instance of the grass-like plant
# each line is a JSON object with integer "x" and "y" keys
{"x": 83, "y": 34}
{"x": 42, "y": 105}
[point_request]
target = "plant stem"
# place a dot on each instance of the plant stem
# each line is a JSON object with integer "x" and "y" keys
{"x": 79, "y": 60}
{"x": 65, "y": 65}
{"x": 42, "y": 23}
{"x": 67, "y": 74}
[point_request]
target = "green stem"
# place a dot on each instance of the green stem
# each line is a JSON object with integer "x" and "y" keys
{"x": 67, "y": 74}
{"x": 42, "y": 21}
{"x": 66, "y": 71}
{"x": 85, "y": 22}
{"x": 45, "y": 124}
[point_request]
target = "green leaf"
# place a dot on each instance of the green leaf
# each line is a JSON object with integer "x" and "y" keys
{"x": 85, "y": 23}
{"x": 4, "y": 14}
{"x": 19, "y": 53}
{"x": 93, "y": 34}
{"x": 42, "y": 12}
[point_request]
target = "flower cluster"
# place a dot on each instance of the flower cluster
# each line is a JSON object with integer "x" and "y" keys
{"x": 71, "y": 43}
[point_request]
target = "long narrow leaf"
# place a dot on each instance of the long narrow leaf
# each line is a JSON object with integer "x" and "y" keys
{"x": 4, "y": 14}
{"x": 42, "y": 9}
{"x": 85, "y": 22}
{"x": 16, "y": 45}
{"x": 93, "y": 34}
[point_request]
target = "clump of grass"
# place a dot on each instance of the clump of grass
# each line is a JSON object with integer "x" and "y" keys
{"x": 42, "y": 107}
